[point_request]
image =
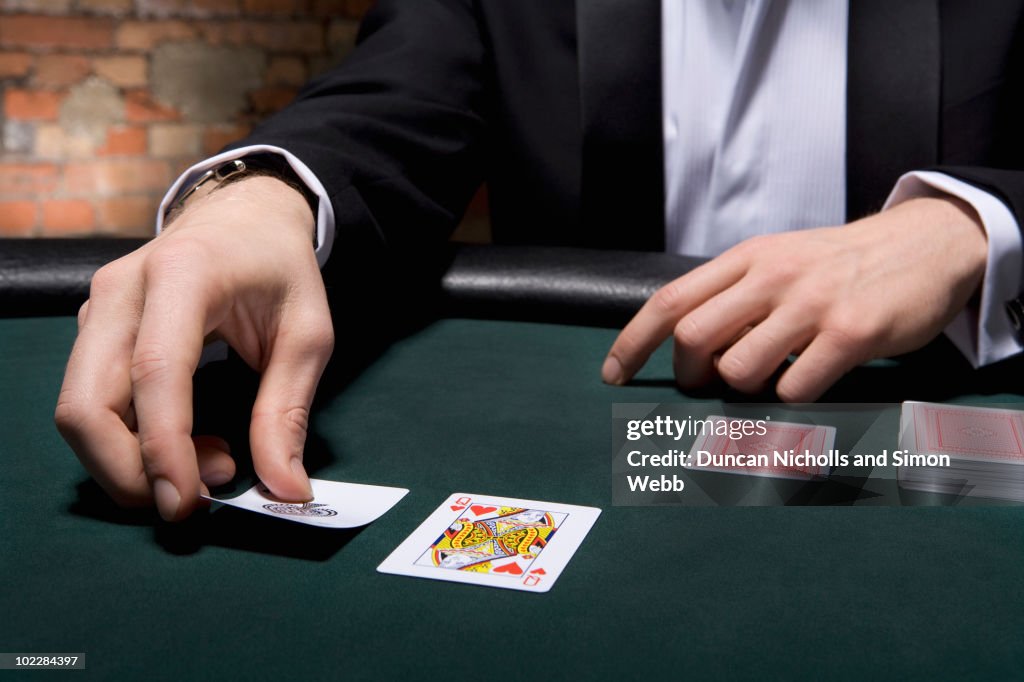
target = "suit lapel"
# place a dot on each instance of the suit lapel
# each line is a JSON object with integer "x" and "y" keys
{"x": 622, "y": 191}
{"x": 892, "y": 97}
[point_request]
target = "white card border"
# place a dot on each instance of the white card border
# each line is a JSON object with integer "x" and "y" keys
{"x": 396, "y": 496}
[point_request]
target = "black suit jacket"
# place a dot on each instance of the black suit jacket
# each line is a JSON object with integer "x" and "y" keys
{"x": 557, "y": 106}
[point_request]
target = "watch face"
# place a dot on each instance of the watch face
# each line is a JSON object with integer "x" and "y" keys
{"x": 228, "y": 169}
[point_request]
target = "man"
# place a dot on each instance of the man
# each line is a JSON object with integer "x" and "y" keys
{"x": 755, "y": 118}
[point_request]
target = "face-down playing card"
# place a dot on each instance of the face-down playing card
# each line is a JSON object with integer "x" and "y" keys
{"x": 494, "y": 541}
{"x": 963, "y": 432}
{"x": 755, "y": 454}
{"x": 334, "y": 505}
{"x": 966, "y": 451}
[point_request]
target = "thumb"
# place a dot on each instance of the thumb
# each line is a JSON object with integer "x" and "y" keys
{"x": 280, "y": 416}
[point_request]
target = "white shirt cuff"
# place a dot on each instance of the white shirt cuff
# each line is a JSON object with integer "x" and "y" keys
{"x": 984, "y": 335}
{"x": 325, "y": 212}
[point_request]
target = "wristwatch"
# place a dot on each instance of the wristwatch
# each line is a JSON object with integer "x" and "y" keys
{"x": 273, "y": 165}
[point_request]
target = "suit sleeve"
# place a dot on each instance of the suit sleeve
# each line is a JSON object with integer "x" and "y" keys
{"x": 395, "y": 135}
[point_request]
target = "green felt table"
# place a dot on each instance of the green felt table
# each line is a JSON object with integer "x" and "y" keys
{"x": 505, "y": 408}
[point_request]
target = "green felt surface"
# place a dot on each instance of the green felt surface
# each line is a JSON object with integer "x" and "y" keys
{"x": 506, "y": 409}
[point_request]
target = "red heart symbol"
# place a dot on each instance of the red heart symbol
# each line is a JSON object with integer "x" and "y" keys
{"x": 538, "y": 571}
{"x": 478, "y": 509}
{"x": 455, "y": 507}
{"x": 509, "y": 568}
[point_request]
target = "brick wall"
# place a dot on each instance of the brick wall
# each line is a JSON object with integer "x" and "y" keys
{"x": 104, "y": 102}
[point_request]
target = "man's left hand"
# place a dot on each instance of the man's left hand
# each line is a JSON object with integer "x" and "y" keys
{"x": 836, "y": 297}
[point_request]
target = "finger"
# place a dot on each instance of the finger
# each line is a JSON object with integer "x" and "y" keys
{"x": 749, "y": 362}
{"x": 108, "y": 452}
{"x": 711, "y": 327}
{"x": 166, "y": 354}
{"x": 95, "y": 398}
{"x": 717, "y": 357}
{"x": 280, "y": 416}
{"x": 83, "y": 315}
{"x": 828, "y": 357}
{"x": 657, "y": 318}
{"x": 216, "y": 466}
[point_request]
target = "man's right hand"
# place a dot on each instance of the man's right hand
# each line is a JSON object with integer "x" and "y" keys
{"x": 237, "y": 264}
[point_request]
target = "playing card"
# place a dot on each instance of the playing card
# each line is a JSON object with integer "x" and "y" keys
{"x": 334, "y": 505}
{"x": 979, "y": 433}
{"x": 494, "y": 541}
{"x": 729, "y": 455}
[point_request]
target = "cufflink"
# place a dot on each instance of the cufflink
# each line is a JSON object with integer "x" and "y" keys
{"x": 1015, "y": 311}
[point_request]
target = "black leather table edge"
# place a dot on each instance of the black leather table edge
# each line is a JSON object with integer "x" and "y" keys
{"x": 40, "y": 277}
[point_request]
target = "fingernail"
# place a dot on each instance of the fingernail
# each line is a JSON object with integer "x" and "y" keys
{"x": 611, "y": 371}
{"x": 167, "y": 498}
{"x": 300, "y": 473}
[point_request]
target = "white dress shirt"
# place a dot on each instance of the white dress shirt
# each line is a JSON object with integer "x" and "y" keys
{"x": 755, "y": 132}
{"x": 754, "y": 105}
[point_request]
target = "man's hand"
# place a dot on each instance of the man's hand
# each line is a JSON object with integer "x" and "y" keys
{"x": 237, "y": 264}
{"x": 837, "y": 297}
